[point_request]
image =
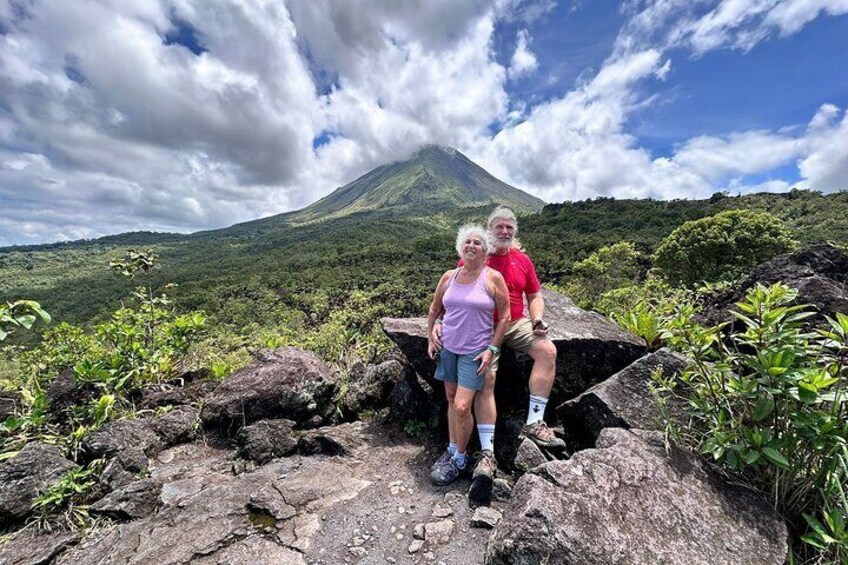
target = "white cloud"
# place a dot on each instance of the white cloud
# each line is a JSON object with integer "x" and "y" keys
{"x": 107, "y": 125}
{"x": 523, "y": 61}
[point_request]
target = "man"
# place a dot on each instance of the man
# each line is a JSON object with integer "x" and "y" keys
{"x": 524, "y": 335}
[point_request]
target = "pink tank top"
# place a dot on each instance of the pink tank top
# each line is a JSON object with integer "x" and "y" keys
{"x": 468, "y": 325}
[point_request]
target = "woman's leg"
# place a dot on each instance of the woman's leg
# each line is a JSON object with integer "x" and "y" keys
{"x": 450, "y": 394}
{"x": 463, "y": 420}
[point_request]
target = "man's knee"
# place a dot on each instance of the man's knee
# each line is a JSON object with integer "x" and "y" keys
{"x": 544, "y": 351}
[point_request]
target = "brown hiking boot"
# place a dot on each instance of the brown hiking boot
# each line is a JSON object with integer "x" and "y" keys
{"x": 540, "y": 434}
{"x": 486, "y": 465}
{"x": 480, "y": 493}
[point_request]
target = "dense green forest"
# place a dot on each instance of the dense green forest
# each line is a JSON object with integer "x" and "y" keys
{"x": 263, "y": 272}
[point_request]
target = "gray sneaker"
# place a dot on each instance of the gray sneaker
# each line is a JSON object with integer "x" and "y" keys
{"x": 540, "y": 434}
{"x": 441, "y": 461}
{"x": 448, "y": 473}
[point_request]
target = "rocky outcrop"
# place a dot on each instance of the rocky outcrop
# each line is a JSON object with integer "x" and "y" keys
{"x": 28, "y": 549}
{"x": 589, "y": 346}
{"x": 819, "y": 273}
{"x": 622, "y": 401}
{"x": 135, "y": 500}
{"x": 123, "y": 435}
{"x": 332, "y": 440}
{"x": 370, "y": 386}
{"x": 25, "y": 476}
{"x": 176, "y": 426}
{"x": 267, "y": 439}
{"x": 628, "y": 502}
{"x": 282, "y": 383}
{"x": 211, "y": 516}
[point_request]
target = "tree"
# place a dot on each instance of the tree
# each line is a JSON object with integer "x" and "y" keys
{"x": 606, "y": 269}
{"x": 721, "y": 247}
{"x": 22, "y": 313}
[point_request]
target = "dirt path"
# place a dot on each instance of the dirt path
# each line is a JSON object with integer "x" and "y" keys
{"x": 379, "y": 524}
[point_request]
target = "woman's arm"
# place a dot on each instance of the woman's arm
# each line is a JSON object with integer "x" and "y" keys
{"x": 436, "y": 309}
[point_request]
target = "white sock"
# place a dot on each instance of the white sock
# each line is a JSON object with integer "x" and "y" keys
{"x": 536, "y": 412}
{"x": 460, "y": 459}
{"x": 487, "y": 436}
{"x": 452, "y": 447}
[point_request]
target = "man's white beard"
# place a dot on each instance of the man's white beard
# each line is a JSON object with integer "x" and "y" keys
{"x": 502, "y": 244}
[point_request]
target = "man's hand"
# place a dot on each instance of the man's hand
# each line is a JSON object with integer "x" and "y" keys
{"x": 485, "y": 359}
{"x": 540, "y": 327}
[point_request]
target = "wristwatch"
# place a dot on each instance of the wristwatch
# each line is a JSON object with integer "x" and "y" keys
{"x": 493, "y": 348}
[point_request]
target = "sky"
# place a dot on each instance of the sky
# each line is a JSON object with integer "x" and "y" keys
{"x": 184, "y": 115}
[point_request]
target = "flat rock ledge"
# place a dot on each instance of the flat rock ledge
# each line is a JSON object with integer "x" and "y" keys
{"x": 629, "y": 503}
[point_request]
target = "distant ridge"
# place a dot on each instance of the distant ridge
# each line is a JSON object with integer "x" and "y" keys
{"x": 434, "y": 178}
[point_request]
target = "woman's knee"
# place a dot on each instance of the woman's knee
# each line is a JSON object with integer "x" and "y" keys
{"x": 462, "y": 407}
{"x": 450, "y": 393}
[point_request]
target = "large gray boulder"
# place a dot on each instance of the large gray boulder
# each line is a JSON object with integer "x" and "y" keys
{"x": 622, "y": 401}
{"x": 123, "y": 435}
{"x": 282, "y": 383}
{"x": 25, "y": 476}
{"x": 628, "y": 502}
{"x": 590, "y": 348}
{"x": 265, "y": 440}
{"x": 36, "y": 549}
{"x": 370, "y": 386}
{"x": 818, "y": 272}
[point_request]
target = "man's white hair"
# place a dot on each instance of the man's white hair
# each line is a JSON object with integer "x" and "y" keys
{"x": 502, "y": 213}
{"x": 467, "y": 231}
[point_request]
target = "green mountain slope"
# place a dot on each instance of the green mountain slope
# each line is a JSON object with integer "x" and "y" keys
{"x": 434, "y": 178}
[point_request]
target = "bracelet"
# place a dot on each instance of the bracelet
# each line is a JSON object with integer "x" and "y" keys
{"x": 493, "y": 348}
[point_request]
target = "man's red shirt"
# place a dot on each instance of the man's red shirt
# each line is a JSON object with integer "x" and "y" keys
{"x": 520, "y": 276}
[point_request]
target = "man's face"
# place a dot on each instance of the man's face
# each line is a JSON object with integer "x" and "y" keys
{"x": 503, "y": 231}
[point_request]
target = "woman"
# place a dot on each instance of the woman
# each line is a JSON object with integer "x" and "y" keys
{"x": 467, "y": 296}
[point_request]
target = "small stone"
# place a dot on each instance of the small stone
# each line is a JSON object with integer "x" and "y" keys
{"x": 453, "y": 498}
{"x": 438, "y": 533}
{"x": 418, "y": 532}
{"x": 399, "y": 536}
{"x": 358, "y": 551}
{"x": 401, "y": 509}
{"x": 430, "y": 555}
{"x": 415, "y": 546}
{"x": 357, "y": 541}
{"x": 393, "y": 529}
{"x": 441, "y": 511}
{"x": 403, "y": 526}
{"x": 391, "y": 560}
{"x": 485, "y": 517}
{"x": 501, "y": 490}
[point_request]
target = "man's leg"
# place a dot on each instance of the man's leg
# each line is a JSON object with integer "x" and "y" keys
{"x": 542, "y": 377}
{"x": 486, "y": 412}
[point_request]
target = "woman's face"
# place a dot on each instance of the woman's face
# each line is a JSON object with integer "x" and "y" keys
{"x": 472, "y": 247}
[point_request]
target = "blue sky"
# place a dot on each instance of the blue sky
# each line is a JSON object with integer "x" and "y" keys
{"x": 182, "y": 115}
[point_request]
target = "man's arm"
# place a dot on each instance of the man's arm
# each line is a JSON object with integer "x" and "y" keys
{"x": 536, "y": 305}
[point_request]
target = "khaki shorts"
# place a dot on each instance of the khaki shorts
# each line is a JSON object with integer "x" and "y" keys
{"x": 520, "y": 338}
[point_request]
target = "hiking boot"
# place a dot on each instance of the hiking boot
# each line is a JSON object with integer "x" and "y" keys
{"x": 480, "y": 493}
{"x": 447, "y": 473}
{"x": 441, "y": 461}
{"x": 540, "y": 434}
{"x": 486, "y": 465}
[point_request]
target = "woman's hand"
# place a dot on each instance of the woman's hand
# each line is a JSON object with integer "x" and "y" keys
{"x": 435, "y": 336}
{"x": 433, "y": 347}
{"x": 485, "y": 359}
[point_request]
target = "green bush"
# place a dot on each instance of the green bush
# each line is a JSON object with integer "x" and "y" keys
{"x": 608, "y": 268}
{"x": 768, "y": 403}
{"x": 721, "y": 247}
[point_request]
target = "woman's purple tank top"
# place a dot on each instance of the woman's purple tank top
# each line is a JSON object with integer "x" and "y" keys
{"x": 468, "y": 325}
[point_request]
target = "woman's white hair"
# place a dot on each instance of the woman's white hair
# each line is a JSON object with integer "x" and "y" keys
{"x": 467, "y": 231}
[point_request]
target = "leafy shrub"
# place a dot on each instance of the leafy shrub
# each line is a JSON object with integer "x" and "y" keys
{"x": 608, "y": 268}
{"x": 768, "y": 403}
{"x": 721, "y": 247}
{"x": 20, "y": 314}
